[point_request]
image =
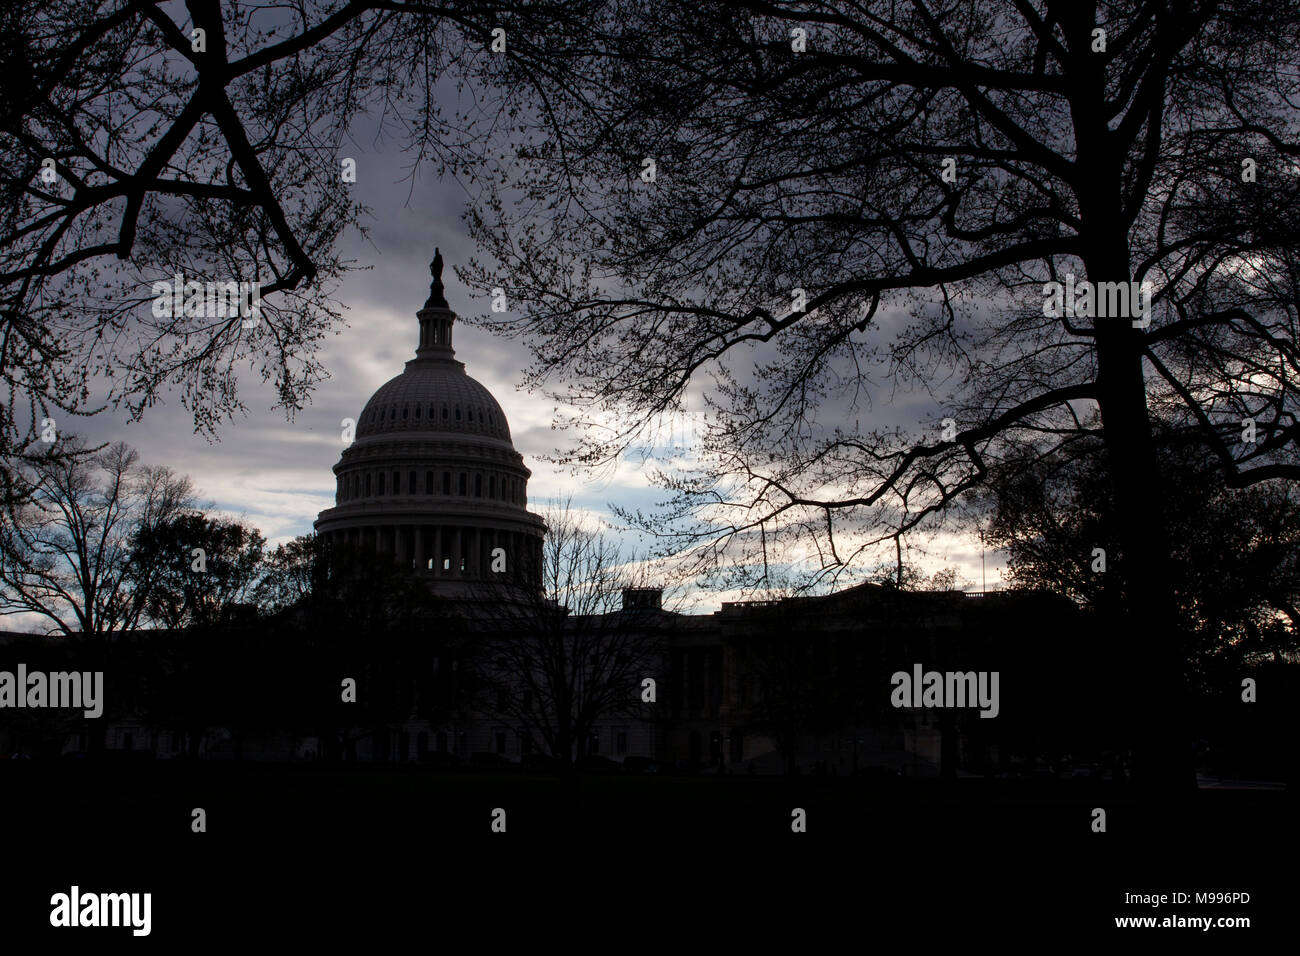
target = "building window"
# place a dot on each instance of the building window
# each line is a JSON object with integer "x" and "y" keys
{"x": 444, "y": 413}
{"x": 620, "y": 743}
{"x": 392, "y": 414}
{"x": 417, "y": 411}
{"x": 367, "y": 485}
{"x": 446, "y": 482}
{"x": 492, "y": 486}
{"x": 501, "y": 741}
{"x": 404, "y": 411}
{"x": 457, "y": 413}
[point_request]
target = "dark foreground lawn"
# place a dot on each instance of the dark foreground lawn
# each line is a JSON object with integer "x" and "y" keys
{"x": 312, "y": 849}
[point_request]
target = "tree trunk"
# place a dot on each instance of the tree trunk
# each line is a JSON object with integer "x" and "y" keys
{"x": 1154, "y": 690}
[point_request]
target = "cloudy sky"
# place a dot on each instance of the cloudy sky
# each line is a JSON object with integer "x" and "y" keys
{"x": 276, "y": 473}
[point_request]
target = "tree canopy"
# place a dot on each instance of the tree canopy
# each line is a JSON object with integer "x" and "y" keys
{"x": 209, "y": 140}
{"x": 799, "y": 215}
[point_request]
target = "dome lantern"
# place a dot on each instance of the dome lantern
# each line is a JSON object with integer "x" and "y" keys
{"x": 436, "y": 319}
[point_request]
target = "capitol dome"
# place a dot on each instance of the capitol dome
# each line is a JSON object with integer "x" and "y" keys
{"x": 432, "y": 477}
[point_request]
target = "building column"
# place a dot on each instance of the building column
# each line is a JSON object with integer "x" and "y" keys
{"x": 420, "y": 564}
{"x": 437, "y": 549}
{"x": 460, "y": 543}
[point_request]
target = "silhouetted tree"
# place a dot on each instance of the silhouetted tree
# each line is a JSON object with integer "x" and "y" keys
{"x": 363, "y": 617}
{"x": 1235, "y": 552}
{"x": 190, "y": 588}
{"x": 66, "y": 551}
{"x": 555, "y": 663}
{"x": 208, "y": 140}
{"x": 820, "y": 220}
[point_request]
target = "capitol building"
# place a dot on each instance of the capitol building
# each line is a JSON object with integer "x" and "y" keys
{"x": 433, "y": 483}
{"x": 432, "y": 477}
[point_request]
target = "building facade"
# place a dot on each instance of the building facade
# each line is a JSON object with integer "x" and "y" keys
{"x": 433, "y": 481}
